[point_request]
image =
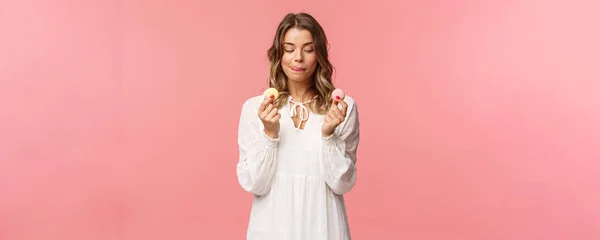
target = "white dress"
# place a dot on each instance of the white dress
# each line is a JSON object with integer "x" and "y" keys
{"x": 298, "y": 179}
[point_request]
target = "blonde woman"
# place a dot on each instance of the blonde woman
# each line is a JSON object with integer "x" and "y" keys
{"x": 297, "y": 152}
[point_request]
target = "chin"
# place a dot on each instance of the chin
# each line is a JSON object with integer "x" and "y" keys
{"x": 297, "y": 79}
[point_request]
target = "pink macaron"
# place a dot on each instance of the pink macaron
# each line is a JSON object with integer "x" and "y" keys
{"x": 337, "y": 94}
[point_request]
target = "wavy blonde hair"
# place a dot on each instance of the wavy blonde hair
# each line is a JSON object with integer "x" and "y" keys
{"x": 322, "y": 85}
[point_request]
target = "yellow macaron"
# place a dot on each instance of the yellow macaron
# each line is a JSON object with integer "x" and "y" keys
{"x": 271, "y": 93}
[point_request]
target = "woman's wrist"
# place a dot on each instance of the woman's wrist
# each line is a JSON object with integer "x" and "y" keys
{"x": 326, "y": 134}
{"x": 273, "y": 135}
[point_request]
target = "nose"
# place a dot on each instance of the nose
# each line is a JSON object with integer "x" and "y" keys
{"x": 298, "y": 57}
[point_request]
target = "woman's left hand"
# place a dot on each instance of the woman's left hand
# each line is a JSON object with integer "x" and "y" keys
{"x": 334, "y": 117}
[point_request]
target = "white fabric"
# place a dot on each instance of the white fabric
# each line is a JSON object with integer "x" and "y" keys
{"x": 298, "y": 180}
{"x": 303, "y": 111}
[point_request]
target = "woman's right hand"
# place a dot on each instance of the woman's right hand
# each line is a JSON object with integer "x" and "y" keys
{"x": 269, "y": 116}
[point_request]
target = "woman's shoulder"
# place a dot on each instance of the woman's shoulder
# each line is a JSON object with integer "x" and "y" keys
{"x": 253, "y": 102}
{"x": 351, "y": 103}
{"x": 349, "y": 100}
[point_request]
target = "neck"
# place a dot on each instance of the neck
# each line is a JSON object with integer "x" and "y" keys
{"x": 299, "y": 90}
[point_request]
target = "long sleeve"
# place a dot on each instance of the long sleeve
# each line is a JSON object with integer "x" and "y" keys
{"x": 338, "y": 153}
{"x": 257, "y": 151}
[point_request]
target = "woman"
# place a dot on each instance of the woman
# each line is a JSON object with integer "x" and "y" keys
{"x": 298, "y": 152}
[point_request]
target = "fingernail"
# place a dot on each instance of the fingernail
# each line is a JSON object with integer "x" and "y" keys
{"x": 272, "y": 96}
{"x": 338, "y": 97}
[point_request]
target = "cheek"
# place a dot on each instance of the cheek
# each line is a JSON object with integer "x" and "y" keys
{"x": 286, "y": 59}
{"x": 312, "y": 61}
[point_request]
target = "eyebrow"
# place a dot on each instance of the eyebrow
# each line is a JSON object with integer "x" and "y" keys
{"x": 289, "y": 43}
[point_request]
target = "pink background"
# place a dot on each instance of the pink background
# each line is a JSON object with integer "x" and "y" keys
{"x": 488, "y": 115}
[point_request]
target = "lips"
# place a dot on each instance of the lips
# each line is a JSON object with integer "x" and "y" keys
{"x": 297, "y": 69}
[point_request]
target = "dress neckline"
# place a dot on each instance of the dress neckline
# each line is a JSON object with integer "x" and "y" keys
{"x": 303, "y": 113}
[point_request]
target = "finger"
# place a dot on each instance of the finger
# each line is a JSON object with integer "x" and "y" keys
{"x": 264, "y": 114}
{"x": 344, "y": 107}
{"x": 268, "y": 109}
{"x": 263, "y": 105}
{"x": 335, "y": 108}
{"x": 334, "y": 103}
{"x": 337, "y": 112}
{"x": 326, "y": 119}
{"x": 272, "y": 113}
{"x": 277, "y": 117}
{"x": 329, "y": 114}
{"x": 336, "y": 115}
{"x": 330, "y": 118}
{"x": 337, "y": 119}
{"x": 339, "y": 115}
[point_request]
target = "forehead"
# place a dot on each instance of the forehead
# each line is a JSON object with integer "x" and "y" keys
{"x": 297, "y": 36}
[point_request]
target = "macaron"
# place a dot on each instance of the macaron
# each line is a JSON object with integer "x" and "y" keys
{"x": 338, "y": 94}
{"x": 271, "y": 93}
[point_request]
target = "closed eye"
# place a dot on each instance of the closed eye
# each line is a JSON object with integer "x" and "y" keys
{"x": 308, "y": 44}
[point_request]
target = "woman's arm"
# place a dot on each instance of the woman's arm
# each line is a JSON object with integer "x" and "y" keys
{"x": 257, "y": 151}
{"x": 338, "y": 153}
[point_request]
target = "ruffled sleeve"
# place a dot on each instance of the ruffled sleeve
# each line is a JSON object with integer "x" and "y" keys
{"x": 257, "y": 151}
{"x": 338, "y": 153}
